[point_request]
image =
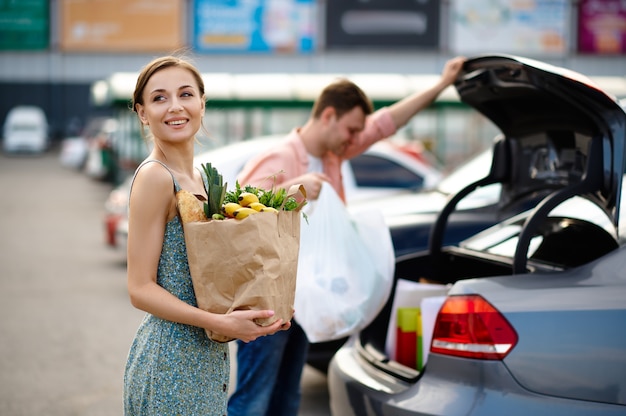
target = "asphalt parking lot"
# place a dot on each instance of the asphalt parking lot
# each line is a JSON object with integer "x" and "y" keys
{"x": 66, "y": 321}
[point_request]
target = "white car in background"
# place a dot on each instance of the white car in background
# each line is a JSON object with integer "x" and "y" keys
{"x": 25, "y": 130}
{"x": 383, "y": 170}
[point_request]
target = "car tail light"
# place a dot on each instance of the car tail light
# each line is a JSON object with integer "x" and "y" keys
{"x": 469, "y": 326}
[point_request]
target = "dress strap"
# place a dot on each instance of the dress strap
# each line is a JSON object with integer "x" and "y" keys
{"x": 176, "y": 185}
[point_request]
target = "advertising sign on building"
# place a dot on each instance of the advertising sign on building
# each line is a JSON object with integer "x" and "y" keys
{"x": 255, "y": 26}
{"x": 121, "y": 25}
{"x": 24, "y": 25}
{"x": 519, "y": 27}
{"x": 398, "y": 24}
{"x": 602, "y": 26}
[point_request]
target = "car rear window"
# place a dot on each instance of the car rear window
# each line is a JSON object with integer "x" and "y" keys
{"x": 376, "y": 172}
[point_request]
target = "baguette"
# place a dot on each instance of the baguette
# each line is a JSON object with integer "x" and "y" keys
{"x": 190, "y": 208}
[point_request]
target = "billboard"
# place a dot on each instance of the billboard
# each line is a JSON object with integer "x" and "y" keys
{"x": 382, "y": 24}
{"x": 602, "y": 26}
{"x": 121, "y": 25}
{"x": 263, "y": 26}
{"x": 24, "y": 25}
{"x": 519, "y": 27}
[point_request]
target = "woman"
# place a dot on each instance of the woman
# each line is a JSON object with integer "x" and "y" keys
{"x": 173, "y": 367}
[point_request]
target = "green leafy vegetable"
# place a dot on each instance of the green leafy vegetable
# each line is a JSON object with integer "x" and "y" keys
{"x": 270, "y": 198}
{"x": 215, "y": 190}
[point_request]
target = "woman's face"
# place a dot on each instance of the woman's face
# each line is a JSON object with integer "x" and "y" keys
{"x": 173, "y": 107}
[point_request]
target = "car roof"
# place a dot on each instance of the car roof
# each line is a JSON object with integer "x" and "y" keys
{"x": 26, "y": 113}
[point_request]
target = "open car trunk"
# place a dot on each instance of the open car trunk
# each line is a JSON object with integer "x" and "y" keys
{"x": 573, "y": 157}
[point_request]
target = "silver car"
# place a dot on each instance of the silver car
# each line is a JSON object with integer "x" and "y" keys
{"x": 531, "y": 320}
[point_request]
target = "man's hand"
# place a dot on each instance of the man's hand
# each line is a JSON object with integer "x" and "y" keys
{"x": 402, "y": 111}
{"x": 451, "y": 70}
{"x": 312, "y": 183}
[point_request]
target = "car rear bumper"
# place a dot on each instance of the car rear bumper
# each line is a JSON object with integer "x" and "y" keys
{"x": 24, "y": 147}
{"x": 448, "y": 387}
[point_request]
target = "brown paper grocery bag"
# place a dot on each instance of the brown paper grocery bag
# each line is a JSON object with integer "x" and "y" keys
{"x": 248, "y": 264}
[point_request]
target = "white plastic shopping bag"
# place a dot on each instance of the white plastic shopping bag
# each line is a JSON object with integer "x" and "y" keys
{"x": 345, "y": 268}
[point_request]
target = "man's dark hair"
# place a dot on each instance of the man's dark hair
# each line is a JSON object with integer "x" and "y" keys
{"x": 343, "y": 95}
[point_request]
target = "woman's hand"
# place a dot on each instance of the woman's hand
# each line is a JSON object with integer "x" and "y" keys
{"x": 240, "y": 324}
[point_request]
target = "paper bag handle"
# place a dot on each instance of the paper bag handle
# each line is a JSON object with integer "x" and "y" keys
{"x": 293, "y": 191}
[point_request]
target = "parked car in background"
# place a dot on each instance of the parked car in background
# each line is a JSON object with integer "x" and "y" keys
{"x": 383, "y": 170}
{"x": 25, "y": 130}
{"x": 73, "y": 152}
{"x": 410, "y": 215}
{"x": 100, "y": 133}
{"x": 528, "y": 326}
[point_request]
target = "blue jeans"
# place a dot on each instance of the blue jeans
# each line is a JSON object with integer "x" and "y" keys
{"x": 269, "y": 370}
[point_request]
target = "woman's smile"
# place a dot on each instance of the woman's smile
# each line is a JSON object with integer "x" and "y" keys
{"x": 177, "y": 122}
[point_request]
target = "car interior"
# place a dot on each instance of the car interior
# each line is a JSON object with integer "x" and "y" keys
{"x": 559, "y": 166}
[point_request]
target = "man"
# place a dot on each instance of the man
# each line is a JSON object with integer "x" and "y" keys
{"x": 342, "y": 125}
